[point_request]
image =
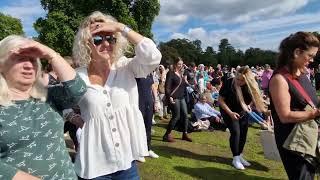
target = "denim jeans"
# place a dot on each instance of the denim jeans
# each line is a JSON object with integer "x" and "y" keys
{"x": 179, "y": 110}
{"x": 129, "y": 174}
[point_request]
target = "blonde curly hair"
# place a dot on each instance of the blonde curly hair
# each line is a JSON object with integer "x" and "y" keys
{"x": 81, "y": 51}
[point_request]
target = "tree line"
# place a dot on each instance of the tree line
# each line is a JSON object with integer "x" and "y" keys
{"x": 191, "y": 51}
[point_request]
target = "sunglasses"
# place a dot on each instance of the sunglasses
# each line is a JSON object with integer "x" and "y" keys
{"x": 98, "y": 39}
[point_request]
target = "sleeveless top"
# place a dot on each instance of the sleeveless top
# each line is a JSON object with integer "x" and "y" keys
{"x": 297, "y": 103}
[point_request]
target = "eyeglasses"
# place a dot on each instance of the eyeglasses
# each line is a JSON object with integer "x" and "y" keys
{"x": 98, "y": 39}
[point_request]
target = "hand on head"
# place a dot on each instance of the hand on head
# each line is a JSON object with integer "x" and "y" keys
{"x": 33, "y": 50}
{"x": 105, "y": 27}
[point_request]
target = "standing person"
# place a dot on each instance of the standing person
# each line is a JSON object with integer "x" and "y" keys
{"x": 287, "y": 104}
{"x": 31, "y": 130}
{"x": 113, "y": 135}
{"x": 235, "y": 97}
{"x": 161, "y": 92}
{"x": 265, "y": 78}
{"x": 190, "y": 74}
{"x": 146, "y": 106}
{"x": 175, "y": 92}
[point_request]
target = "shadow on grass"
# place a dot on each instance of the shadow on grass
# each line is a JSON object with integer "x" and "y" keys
{"x": 165, "y": 151}
{"x": 216, "y": 173}
{"x": 161, "y": 125}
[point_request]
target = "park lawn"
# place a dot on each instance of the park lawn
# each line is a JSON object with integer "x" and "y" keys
{"x": 207, "y": 157}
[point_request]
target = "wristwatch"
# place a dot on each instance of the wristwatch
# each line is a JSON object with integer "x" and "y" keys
{"x": 125, "y": 31}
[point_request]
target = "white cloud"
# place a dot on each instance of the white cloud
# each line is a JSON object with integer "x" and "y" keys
{"x": 26, "y": 11}
{"x": 256, "y": 33}
{"x": 246, "y": 23}
{"x": 175, "y": 12}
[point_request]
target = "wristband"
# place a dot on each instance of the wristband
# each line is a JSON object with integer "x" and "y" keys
{"x": 125, "y": 31}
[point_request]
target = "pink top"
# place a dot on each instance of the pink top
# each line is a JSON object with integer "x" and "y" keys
{"x": 265, "y": 78}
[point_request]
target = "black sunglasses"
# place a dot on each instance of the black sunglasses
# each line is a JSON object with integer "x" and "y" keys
{"x": 97, "y": 39}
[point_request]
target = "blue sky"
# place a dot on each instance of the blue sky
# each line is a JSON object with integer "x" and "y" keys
{"x": 246, "y": 23}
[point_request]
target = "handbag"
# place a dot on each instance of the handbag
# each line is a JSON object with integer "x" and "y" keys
{"x": 166, "y": 100}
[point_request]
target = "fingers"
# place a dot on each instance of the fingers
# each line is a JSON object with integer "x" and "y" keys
{"x": 96, "y": 25}
{"x": 106, "y": 27}
{"x": 91, "y": 45}
{"x": 237, "y": 116}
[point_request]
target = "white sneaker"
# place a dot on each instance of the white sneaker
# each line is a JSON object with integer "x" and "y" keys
{"x": 236, "y": 162}
{"x": 244, "y": 162}
{"x": 141, "y": 159}
{"x": 153, "y": 154}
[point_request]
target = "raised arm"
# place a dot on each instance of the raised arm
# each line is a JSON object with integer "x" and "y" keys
{"x": 37, "y": 50}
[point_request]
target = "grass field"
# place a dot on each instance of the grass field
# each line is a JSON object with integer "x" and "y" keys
{"x": 207, "y": 157}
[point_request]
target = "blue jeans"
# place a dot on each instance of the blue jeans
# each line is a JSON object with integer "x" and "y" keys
{"x": 129, "y": 174}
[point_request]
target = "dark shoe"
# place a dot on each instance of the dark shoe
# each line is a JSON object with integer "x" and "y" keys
{"x": 186, "y": 138}
{"x": 168, "y": 138}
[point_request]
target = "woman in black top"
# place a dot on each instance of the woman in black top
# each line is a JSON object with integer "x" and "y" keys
{"x": 235, "y": 98}
{"x": 175, "y": 92}
{"x": 287, "y": 105}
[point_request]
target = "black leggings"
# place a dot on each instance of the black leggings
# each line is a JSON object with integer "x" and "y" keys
{"x": 238, "y": 133}
{"x": 179, "y": 110}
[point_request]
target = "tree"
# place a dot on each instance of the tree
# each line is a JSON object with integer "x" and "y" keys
{"x": 9, "y": 25}
{"x": 144, "y": 13}
{"x": 188, "y": 50}
{"x": 169, "y": 54}
{"x": 209, "y": 57}
{"x": 58, "y": 28}
{"x": 226, "y": 52}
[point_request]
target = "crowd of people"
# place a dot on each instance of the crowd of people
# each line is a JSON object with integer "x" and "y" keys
{"x": 108, "y": 102}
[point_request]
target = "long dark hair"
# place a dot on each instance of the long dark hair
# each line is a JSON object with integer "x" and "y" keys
{"x": 175, "y": 62}
{"x": 301, "y": 40}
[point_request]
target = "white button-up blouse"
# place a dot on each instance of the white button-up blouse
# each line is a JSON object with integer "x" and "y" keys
{"x": 114, "y": 133}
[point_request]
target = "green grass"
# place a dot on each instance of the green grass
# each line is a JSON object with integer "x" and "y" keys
{"x": 207, "y": 157}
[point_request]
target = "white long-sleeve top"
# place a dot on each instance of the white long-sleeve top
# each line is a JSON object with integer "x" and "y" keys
{"x": 114, "y": 133}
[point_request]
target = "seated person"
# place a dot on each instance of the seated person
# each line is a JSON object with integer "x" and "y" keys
{"x": 203, "y": 111}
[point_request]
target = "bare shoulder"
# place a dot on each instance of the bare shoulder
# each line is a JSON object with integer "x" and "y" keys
{"x": 278, "y": 81}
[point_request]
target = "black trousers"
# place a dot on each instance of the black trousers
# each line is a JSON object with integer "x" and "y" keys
{"x": 179, "y": 110}
{"x": 146, "y": 109}
{"x": 296, "y": 167}
{"x": 238, "y": 133}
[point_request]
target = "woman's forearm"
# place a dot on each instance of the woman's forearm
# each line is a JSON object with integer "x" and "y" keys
{"x": 63, "y": 70}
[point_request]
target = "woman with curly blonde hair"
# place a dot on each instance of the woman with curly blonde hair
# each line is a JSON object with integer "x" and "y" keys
{"x": 235, "y": 98}
{"x": 113, "y": 136}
